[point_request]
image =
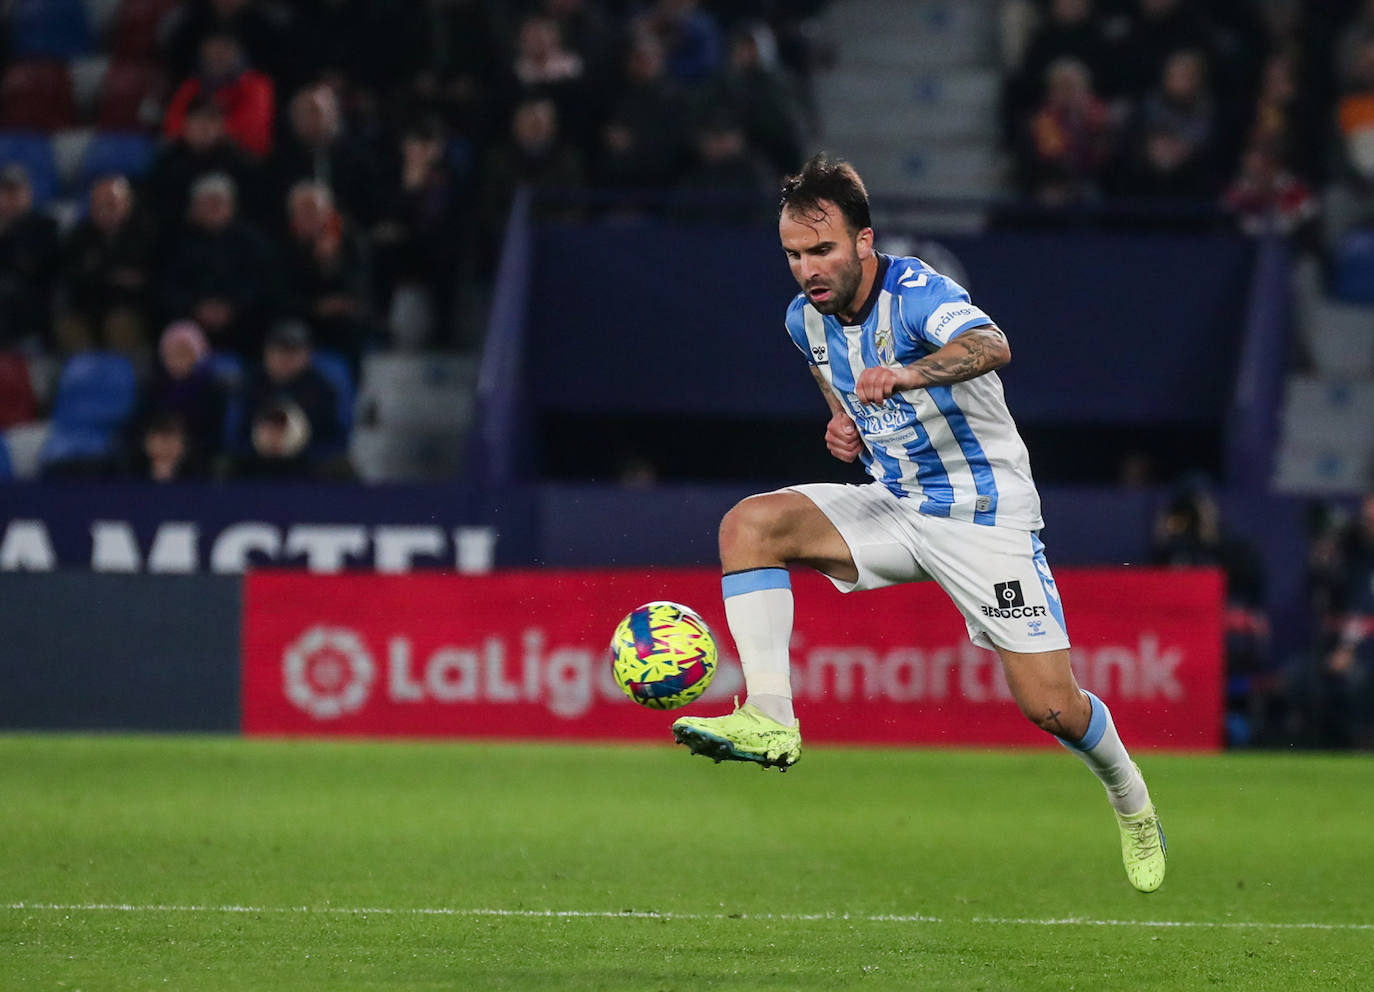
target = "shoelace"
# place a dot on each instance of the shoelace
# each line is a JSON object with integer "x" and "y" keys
{"x": 1145, "y": 837}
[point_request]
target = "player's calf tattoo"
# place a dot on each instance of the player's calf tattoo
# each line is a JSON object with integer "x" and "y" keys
{"x": 1053, "y": 723}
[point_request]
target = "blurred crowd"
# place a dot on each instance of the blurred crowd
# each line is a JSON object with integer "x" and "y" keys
{"x": 1224, "y": 101}
{"x": 334, "y": 177}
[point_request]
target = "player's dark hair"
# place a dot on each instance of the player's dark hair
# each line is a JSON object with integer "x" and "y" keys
{"x": 824, "y": 178}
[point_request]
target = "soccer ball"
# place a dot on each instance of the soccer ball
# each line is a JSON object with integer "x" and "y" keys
{"x": 663, "y": 655}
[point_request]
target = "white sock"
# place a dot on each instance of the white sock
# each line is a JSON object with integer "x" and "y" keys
{"x": 1102, "y": 751}
{"x": 758, "y": 607}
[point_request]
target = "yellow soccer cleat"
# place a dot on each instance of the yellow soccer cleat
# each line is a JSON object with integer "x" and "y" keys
{"x": 1143, "y": 848}
{"x": 745, "y": 735}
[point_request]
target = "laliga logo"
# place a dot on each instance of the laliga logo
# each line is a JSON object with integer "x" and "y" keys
{"x": 328, "y": 672}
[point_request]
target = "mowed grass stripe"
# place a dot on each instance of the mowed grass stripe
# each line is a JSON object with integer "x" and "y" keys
{"x": 606, "y": 914}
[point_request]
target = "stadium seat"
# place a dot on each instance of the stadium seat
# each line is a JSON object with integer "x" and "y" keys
{"x": 95, "y": 389}
{"x": 415, "y": 410}
{"x": 134, "y": 27}
{"x": 25, "y": 444}
{"x": 35, "y": 153}
{"x": 87, "y": 72}
{"x": 334, "y": 367}
{"x": 54, "y": 28}
{"x": 99, "y": 13}
{"x": 17, "y": 402}
{"x": 227, "y": 368}
{"x": 109, "y": 153}
{"x": 95, "y": 396}
{"x": 130, "y": 96}
{"x": 37, "y": 96}
{"x": 1352, "y": 268}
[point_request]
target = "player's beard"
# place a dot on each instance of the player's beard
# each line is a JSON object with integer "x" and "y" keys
{"x": 843, "y": 290}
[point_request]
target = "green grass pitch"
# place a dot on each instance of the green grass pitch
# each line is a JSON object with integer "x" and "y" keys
{"x": 219, "y": 864}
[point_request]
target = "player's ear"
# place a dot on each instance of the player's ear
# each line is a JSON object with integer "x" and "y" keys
{"x": 863, "y": 243}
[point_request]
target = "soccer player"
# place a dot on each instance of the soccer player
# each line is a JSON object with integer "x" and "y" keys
{"x": 905, "y": 362}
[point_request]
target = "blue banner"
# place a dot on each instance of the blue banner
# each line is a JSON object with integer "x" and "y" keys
{"x": 1103, "y": 328}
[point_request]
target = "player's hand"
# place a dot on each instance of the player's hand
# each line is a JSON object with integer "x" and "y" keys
{"x": 842, "y": 437}
{"x": 876, "y": 385}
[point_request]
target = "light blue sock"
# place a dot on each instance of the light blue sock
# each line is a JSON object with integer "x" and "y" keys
{"x": 1102, "y": 751}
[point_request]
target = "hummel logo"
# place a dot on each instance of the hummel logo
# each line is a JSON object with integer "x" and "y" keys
{"x": 910, "y": 283}
{"x": 818, "y": 353}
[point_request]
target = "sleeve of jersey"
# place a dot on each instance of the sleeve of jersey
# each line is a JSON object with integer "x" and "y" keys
{"x": 938, "y": 312}
{"x": 796, "y": 327}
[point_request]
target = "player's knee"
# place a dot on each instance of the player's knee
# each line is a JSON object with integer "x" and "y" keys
{"x": 751, "y": 523}
{"x": 1055, "y": 714}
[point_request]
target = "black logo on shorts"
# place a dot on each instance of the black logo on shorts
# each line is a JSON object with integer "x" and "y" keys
{"x": 1008, "y": 594}
{"x": 1011, "y": 603}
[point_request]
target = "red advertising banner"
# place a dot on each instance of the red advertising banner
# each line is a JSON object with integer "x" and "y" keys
{"x": 524, "y": 654}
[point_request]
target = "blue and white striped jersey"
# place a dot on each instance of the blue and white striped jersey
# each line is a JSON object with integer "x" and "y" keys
{"x": 954, "y": 448}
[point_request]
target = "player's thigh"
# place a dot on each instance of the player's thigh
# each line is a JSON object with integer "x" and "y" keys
{"x": 788, "y": 526}
{"x": 999, "y": 580}
{"x": 874, "y": 526}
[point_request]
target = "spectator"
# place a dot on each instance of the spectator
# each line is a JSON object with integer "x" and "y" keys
{"x": 728, "y": 184}
{"x": 543, "y": 67}
{"x": 293, "y": 428}
{"x": 164, "y": 452}
{"x": 416, "y": 252}
{"x": 1176, "y": 154}
{"x": 1154, "y": 31}
{"x": 1071, "y": 29}
{"x": 184, "y": 386}
{"x": 263, "y": 29}
{"x": 1357, "y": 34}
{"x": 752, "y": 88}
{"x": 246, "y": 96}
{"x": 319, "y": 148}
{"x": 1266, "y": 198}
{"x": 325, "y": 276}
{"x": 1188, "y": 534}
{"x": 203, "y": 147}
{"x": 1068, "y": 141}
{"x": 453, "y": 83}
{"x": 1276, "y": 106}
{"x": 586, "y": 31}
{"x": 1349, "y": 198}
{"x": 535, "y": 155}
{"x": 218, "y": 272}
{"x": 107, "y": 273}
{"x": 1347, "y": 670}
{"x": 644, "y": 142}
{"x": 690, "y": 37}
{"x": 28, "y": 263}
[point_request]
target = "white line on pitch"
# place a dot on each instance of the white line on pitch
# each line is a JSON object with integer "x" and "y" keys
{"x": 1068, "y": 921}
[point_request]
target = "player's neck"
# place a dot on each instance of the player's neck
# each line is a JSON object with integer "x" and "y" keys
{"x": 869, "y": 267}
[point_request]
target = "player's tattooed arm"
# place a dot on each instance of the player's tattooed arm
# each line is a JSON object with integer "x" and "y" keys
{"x": 841, "y": 435}
{"x": 971, "y": 354}
{"x": 968, "y": 356}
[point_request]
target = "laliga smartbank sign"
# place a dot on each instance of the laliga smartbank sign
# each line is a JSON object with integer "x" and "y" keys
{"x": 523, "y": 654}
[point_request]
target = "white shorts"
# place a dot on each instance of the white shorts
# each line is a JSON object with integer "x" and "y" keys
{"x": 996, "y": 576}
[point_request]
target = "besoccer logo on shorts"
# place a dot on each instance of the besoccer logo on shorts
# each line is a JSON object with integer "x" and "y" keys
{"x": 1008, "y": 594}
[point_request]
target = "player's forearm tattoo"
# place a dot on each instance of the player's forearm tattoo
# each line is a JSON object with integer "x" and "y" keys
{"x": 826, "y": 391}
{"x": 966, "y": 357}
